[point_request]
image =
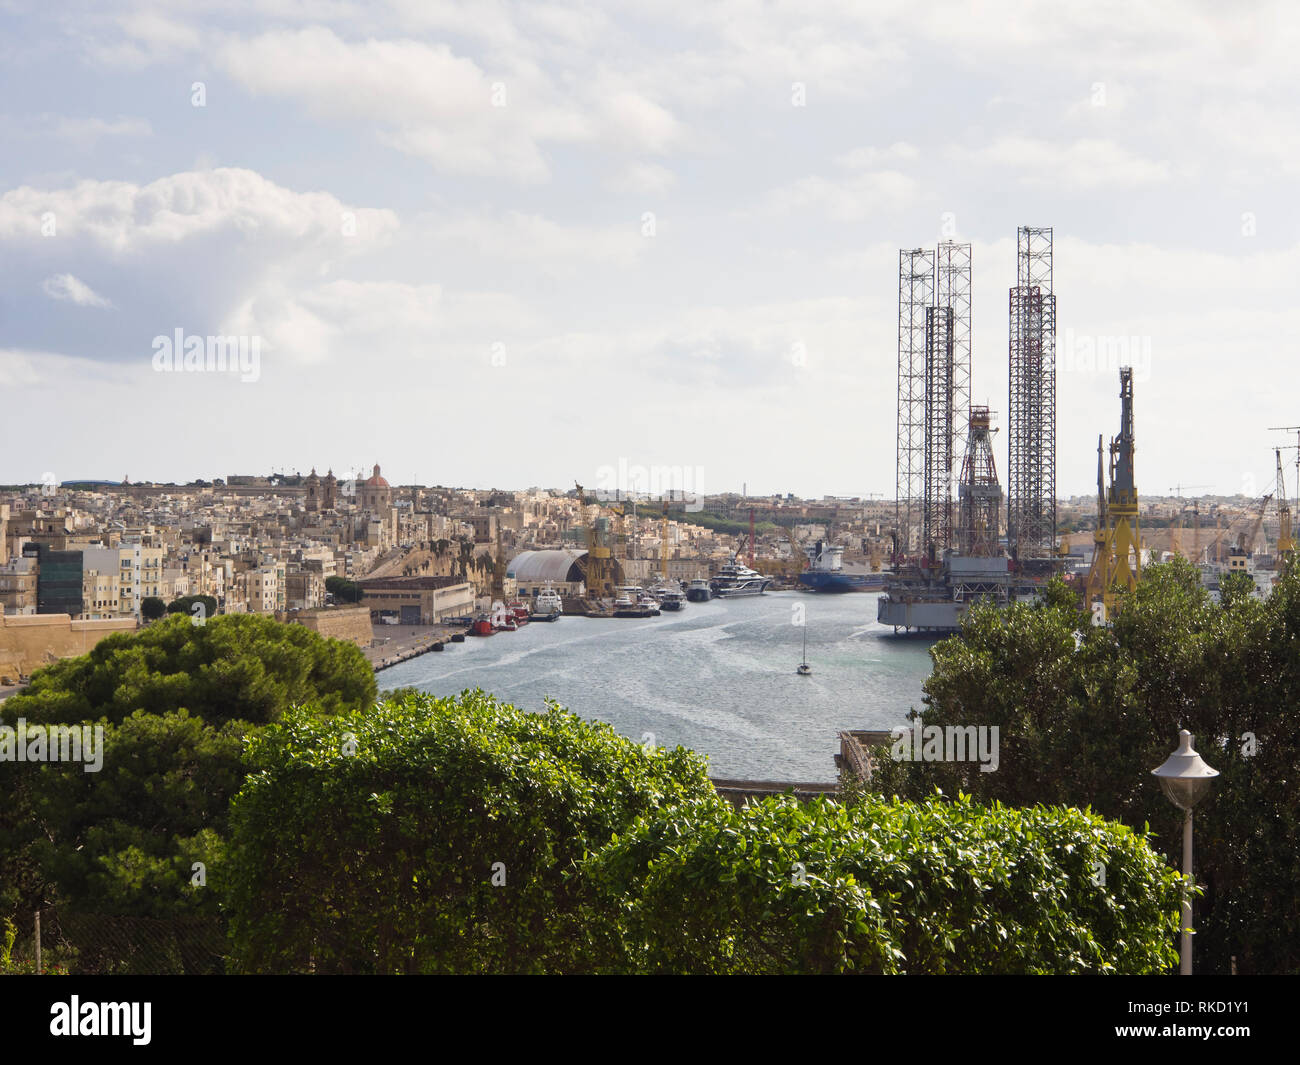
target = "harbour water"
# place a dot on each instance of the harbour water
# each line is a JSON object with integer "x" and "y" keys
{"x": 718, "y": 677}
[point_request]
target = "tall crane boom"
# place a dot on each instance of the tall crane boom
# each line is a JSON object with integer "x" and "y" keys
{"x": 1117, "y": 554}
{"x": 1285, "y": 543}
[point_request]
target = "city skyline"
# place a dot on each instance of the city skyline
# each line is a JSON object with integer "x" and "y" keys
{"x": 511, "y": 245}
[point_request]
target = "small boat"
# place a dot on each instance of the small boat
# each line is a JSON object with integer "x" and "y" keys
{"x": 482, "y": 627}
{"x": 519, "y": 611}
{"x": 699, "y": 591}
{"x": 804, "y": 669}
{"x": 626, "y": 607}
{"x": 648, "y": 602}
{"x": 672, "y": 600}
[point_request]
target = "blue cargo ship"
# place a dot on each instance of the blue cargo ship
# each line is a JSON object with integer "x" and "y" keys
{"x": 825, "y": 572}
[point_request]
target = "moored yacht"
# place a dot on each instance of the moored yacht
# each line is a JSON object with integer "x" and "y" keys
{"x": 547, "y": 605}
{"x": 698, "y": 591}
{"x": 736, "y": 579}
{"x": 672, "y": 600}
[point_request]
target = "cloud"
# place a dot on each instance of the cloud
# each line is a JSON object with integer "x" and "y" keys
{"x": 1081, "y": 165}
{"x": 868, "y": 157}
{"x": 235, "y": 204}
{"x": 855, "y": 198}
{"x": 186, "y": 251}
{"x": 515, "y": 236}
{"x": 442, "y": 107}
{"x": 645, "y": 179}
{"x": 73, "y": 290}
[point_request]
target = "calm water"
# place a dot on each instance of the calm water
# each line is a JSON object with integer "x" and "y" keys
{"x": 717, "y": 677}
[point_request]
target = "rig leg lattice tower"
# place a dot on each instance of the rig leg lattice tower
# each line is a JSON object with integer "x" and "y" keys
{"x": 1031, "y": 407}
{"x": 915, "y": 298}
{"x": 937, "y": 534}
{"x": 952, "y": 268}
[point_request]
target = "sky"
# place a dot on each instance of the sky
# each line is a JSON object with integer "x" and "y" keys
{"x": 491, "y": 244}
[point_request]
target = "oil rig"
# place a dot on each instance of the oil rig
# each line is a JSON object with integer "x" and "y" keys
{"x": 949, "y": 550}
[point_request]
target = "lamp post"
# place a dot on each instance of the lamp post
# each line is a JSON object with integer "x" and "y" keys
{"x": 1186, "y": 780}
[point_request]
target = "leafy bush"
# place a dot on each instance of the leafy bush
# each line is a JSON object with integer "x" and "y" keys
{"x": 1085, "y": 713}
{"x": 465, "y": 835}
{"x": 370, "y": 842}
{"x": 889, "y": 887}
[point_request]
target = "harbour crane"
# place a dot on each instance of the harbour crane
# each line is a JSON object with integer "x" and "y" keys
{"x": 599, "y": 570}
{"x": 663, "y": 543}
{"x": 1247, "y": 543}
{"x": 1176, "y": 531}
{"x": 1285, "y": 543}
{"x": 1117, "y": 549}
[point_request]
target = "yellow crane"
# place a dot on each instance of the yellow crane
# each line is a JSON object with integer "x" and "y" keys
{"x": 1117, "y": 551}
{"x": 663, "y": 543}
{"x": 599, "y": 570}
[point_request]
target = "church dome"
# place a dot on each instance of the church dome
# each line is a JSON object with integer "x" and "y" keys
{"x": 375, "y": 480}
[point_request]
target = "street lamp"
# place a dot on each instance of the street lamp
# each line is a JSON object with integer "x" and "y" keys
{"x": 1186, "y": 780}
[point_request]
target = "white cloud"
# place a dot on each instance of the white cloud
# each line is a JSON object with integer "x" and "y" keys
{"x": 73, "y": 290}
{"x": 429, "y": 102}
{"x": 1080, "y": 165}
{"x": 515, "y": 236}
{"x": 239, "y": 203}
{"x": 645, "y": 179}
{"x": 855, "y": 198}
{"x": 869, "y": 157}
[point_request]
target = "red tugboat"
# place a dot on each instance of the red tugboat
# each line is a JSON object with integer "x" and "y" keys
{"x": 482, "y": 626}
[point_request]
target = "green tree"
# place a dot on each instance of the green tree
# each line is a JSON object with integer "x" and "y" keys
{"x": 185, "y": 605}
{"x": 152, "y": 608}
{"x": 175, "y": 702}
{"x": 1085, "y": 713}
{"x": 233, "y": 667}
{"x": 343, "y": 590}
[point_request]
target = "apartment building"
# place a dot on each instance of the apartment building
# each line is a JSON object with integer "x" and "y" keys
{"x": 139, "y": 572}
{"x": 262, "y": 588}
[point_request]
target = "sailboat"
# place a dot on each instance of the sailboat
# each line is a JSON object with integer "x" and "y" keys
{"x": 804, "y": 669}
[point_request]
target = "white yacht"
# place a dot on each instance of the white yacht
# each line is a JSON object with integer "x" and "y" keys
{"x": 736, "y": 579}
{"x": 547, "y": 605}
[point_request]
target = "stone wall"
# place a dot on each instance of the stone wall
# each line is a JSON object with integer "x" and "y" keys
{"x": 34, "y": 640}
{"x": 350, "y": 623}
